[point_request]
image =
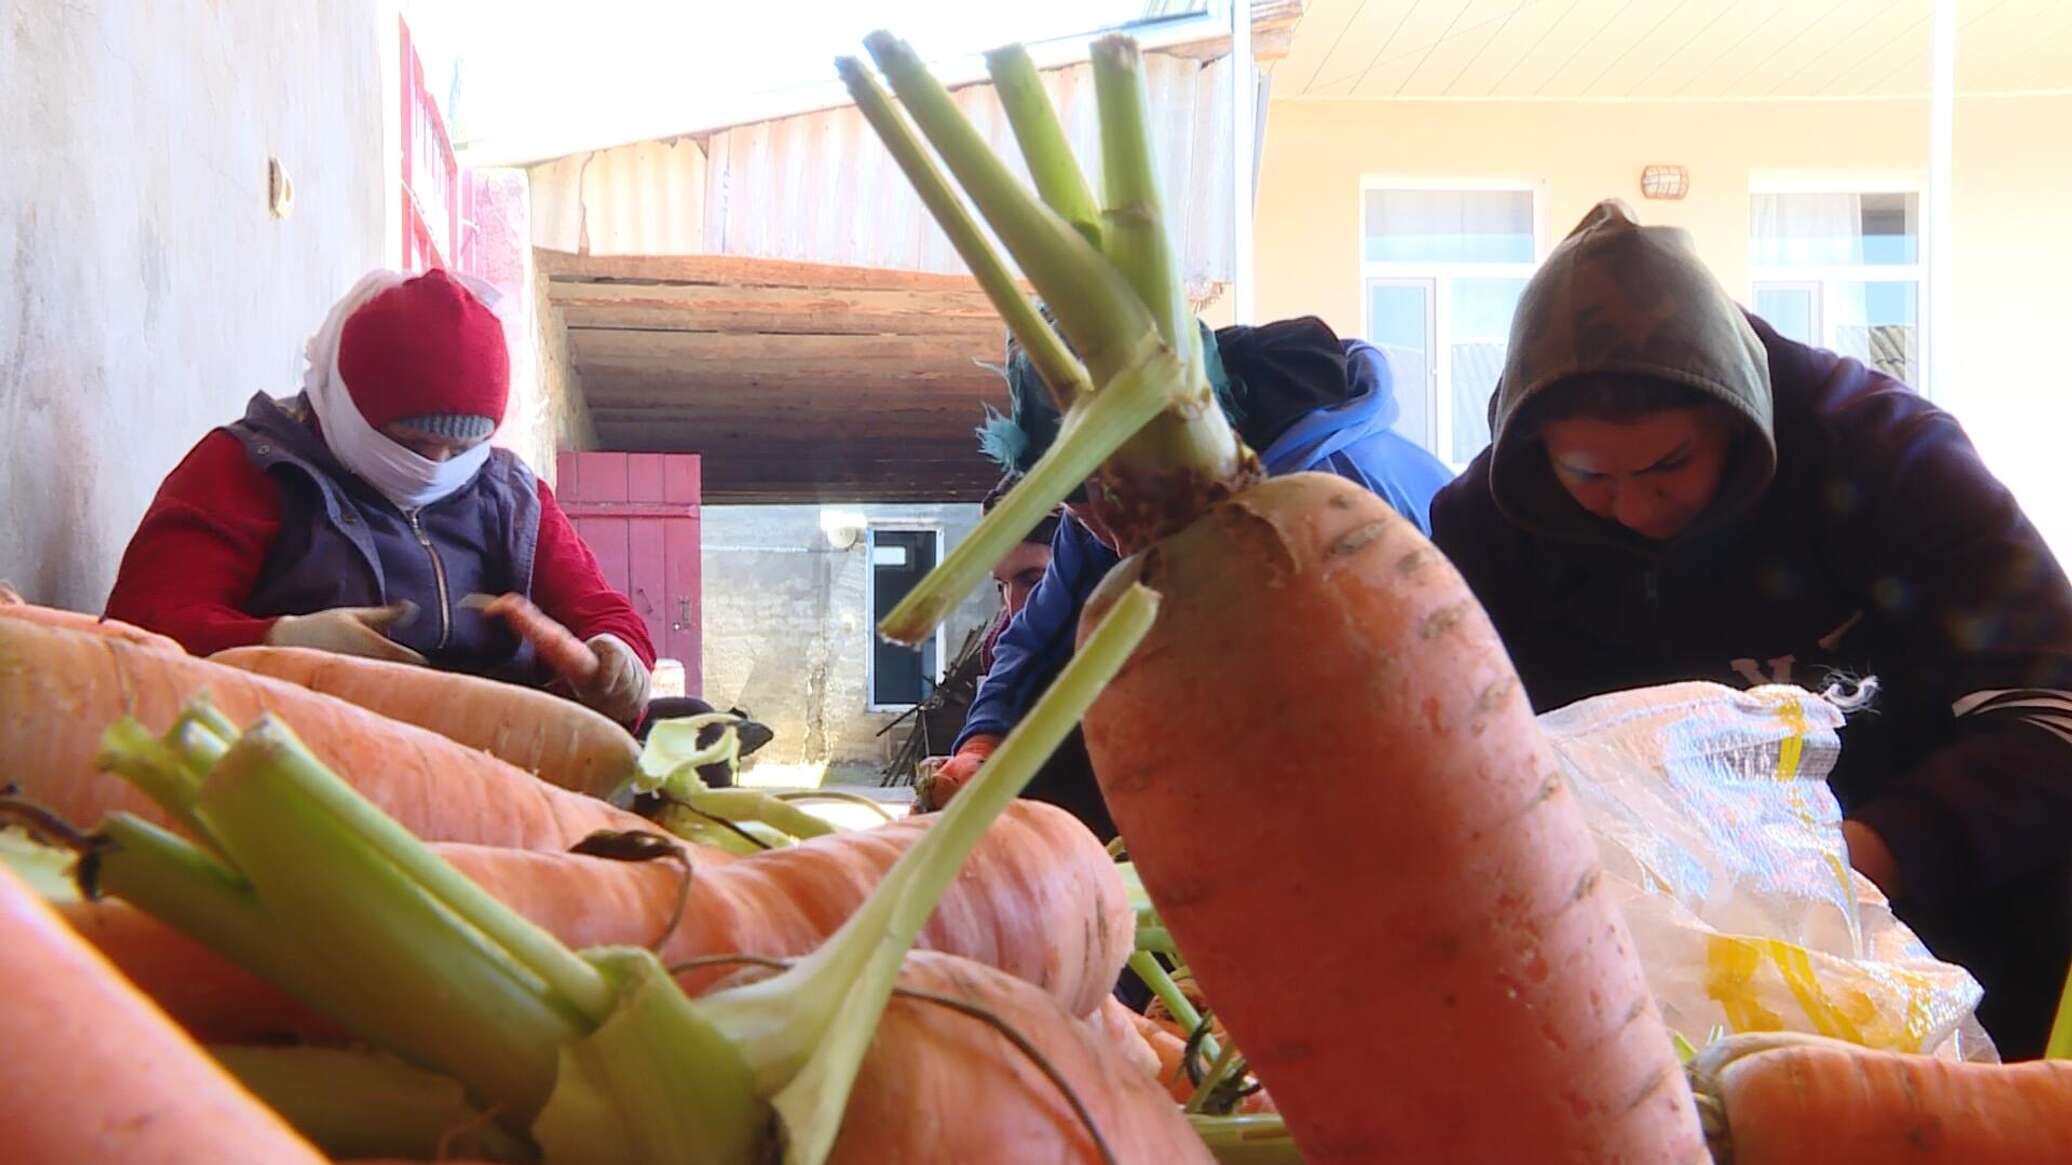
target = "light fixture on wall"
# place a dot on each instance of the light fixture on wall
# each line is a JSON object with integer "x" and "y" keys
{"x": 1667, "y": 182}
{"x": 843, "y": 529}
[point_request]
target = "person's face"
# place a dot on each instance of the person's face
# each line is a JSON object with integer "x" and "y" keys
{"x": 1018, "y": 572}
{"x": 426, "y": 445}
{"x": 1653, "y": 475}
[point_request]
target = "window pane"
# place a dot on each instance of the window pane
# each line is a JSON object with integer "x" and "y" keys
{"x": 1481, "y": 328}
{"x": 1399, "y": 316}
{"x": 1879, "y": 324}
{"x": 1799, "y": 230}
{"x": 1790, "y": 310}
{"x": 1449, "y": 226}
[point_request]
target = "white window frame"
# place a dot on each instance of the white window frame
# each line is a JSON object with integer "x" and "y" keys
{"x": 1438, "y": 279}
{"x": 870, "y": 606}
{"x": 1823, "y": 277}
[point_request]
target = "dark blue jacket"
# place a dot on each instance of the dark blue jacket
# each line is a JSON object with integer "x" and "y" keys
{"x": 341, "y": 544}
{"x": 1351, "y": 439}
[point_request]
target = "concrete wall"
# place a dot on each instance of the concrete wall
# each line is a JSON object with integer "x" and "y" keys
{"x": 787, "y": 632}
{"x": 2013, "y": 176}
{"x": 148, "y": 290}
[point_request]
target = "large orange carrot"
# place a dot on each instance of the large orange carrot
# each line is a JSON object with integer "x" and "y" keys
{"x": 12, "y": 607}
{"x": 94, "y": 1072}
{"x": 939, "y": 1085}
{"x": 566, "y": 655}
{"x": 59, "y": 690}
{"x": 1038, "y": 899}
{"x": 1775, "y": 1098}
{"x": 1434, "y": 882}
{"x": 562, "y": 741}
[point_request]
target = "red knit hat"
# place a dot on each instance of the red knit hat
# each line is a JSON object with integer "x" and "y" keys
{"x": 429, "y": 353}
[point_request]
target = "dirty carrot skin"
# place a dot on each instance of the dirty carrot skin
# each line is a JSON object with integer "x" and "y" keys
{"x": 940, "y": 1086}
{"x": 94, "y": 1072}
{"x": 560, "y": 740}
{"x": 1445, "y": 867}
{"x": 1415, "y": 955}
{"x": 567, "y": 656}
{"x": 1778, "y": 1098}
{"x": 59, "y": 689}
{"x": 12, "y": 607}
{"x": 1038, "y": 899}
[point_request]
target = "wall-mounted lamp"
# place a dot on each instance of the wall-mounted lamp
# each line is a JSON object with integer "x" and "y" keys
{"x": 842, "y": 528}
{"x": 1668, "y": 182}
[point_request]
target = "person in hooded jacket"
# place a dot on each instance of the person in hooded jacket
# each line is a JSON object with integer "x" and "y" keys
{"x": 1302, "y": 397}
{"x": 1674, "y": 491}
{"x": 356, "y": 515}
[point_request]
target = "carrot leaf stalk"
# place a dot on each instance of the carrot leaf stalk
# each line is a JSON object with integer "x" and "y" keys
{"x": 1044, "y": 146}
{"x": 807, "y": 1028}
{"x": 322, "y": 894}
{"x": 597, "y": 1055}
{"x": 360, "y": 1104}
{"x": 2059, "y": 1046}
{"x": 1260, "y": 1139}
{"x": 1167, "y": 450}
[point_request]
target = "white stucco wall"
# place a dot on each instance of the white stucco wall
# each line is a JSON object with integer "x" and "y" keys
{"x": 148, "y": 290}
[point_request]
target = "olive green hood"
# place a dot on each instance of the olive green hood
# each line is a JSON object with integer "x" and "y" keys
{"x": 1619, "y": 297}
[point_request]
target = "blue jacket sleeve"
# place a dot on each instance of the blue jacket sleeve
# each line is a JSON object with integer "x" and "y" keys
{"x": 1038, "y": 643}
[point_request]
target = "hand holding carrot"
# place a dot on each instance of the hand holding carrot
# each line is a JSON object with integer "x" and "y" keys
{"x": 604, "y": 672}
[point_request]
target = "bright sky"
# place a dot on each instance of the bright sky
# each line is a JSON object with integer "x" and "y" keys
{"x": 540, "y": 67}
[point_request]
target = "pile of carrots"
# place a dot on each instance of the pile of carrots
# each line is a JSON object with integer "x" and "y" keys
{"x": 1415, "y": 955}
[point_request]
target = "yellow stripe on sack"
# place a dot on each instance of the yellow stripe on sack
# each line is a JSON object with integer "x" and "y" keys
{"x": 1791, "y": 752}
{"x": 1797, "y": 968}
{"x": 1730, "y": 967}
{"x": 1793, "y": 748}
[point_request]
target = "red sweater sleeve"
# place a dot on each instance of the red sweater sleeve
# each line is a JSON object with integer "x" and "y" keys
{"x": 569, "y": 586}
{"x": 195, "y": 557}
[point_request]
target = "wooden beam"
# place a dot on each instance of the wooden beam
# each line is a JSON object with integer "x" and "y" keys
{"x": 781, "y": 310}
{"x": 740, "y": 271}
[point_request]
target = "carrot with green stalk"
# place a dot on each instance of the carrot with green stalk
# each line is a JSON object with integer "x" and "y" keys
{"x": 599, "y": 1056}
{"x": 1485, "y": 1001}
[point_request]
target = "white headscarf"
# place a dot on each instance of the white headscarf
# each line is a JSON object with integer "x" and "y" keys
{"x": 404, "y": 477}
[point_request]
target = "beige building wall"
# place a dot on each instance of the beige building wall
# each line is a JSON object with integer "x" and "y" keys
{"x": 2011, "y": 302}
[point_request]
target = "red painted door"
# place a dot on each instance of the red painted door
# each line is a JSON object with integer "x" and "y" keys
{"x": 639, "y": 514}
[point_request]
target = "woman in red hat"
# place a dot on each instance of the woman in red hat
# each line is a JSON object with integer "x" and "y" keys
{"x": 354, "y": 516}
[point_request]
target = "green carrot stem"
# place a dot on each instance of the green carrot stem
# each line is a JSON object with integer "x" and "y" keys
{"x": 655, "y": 1084}
{"x": 408, "y": 971}
{"x": 196, "y": 893}
{"x": 1134, "y": 218}
{"x": 1252, "y": 1139}
{"x": 282, "y": 767}
{"x": 1044, "y": 146}
{"x": 1062, "y": 374}
{"x": 799, "y": 795}
{"x": 158, "y": 771}
{"x": 672, "y": 752}
{"x": 1156, "y": 939}
{"x": 1094, "y": 305}
{"x": 2059, "y": 1046}
{"x": 1177, "y": 1005}
{"x": 359, "y": 1104}
{"x": 1090, "y": 433}
{"x": 806, "y": 1029}
{"x": 750, "y": 805}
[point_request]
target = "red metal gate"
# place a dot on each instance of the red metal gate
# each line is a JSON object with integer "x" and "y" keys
{"x": 639, "y": 514}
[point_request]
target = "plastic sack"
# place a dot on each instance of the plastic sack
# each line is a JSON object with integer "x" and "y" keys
{"x": 1722, "y": 845}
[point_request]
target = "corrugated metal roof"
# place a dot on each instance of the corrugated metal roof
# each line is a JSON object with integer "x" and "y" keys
{"x": 819, "y": 187}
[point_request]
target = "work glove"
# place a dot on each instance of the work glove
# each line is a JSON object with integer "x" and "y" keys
{"x": 620, "y": 687}
{"x": 361, "y": 631}
{"x": 933, "y": 791}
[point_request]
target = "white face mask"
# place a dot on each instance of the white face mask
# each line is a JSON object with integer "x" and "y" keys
{"x": 402, "y": 476}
